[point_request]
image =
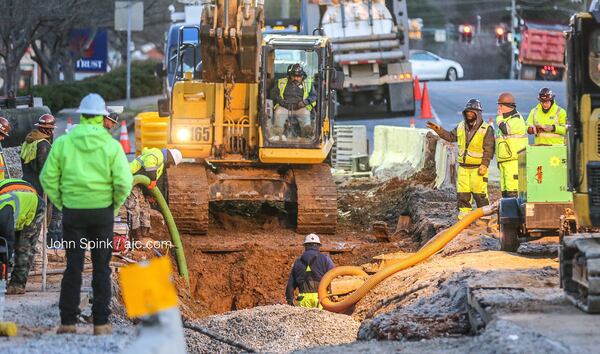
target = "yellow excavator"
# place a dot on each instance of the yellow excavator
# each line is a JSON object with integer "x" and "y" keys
{"x": 221, "y": 115}
{"x": 580, "y": 251}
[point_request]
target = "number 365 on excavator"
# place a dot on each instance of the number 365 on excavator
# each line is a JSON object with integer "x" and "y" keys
{"x": 237, "y": 143}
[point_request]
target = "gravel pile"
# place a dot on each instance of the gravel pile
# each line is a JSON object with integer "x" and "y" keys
{"x": 13, "y": 161}
{"x": 273, "y": 329}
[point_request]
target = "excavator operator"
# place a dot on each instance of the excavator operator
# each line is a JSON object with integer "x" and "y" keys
{"x": 295, "y": 97}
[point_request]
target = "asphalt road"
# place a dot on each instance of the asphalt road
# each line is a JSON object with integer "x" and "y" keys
{"x": 449, "y": 98}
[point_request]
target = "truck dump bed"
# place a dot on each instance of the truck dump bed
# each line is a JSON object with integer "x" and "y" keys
{"x": 542, "y": 45}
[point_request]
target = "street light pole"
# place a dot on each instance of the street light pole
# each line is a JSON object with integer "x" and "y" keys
{"x": 128, "y": 95}
{"x": 513, "y": 42}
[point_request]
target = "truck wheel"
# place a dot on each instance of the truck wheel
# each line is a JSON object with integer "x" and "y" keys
{"x": 509, "y": 237}
{"x": 451, "y": 75}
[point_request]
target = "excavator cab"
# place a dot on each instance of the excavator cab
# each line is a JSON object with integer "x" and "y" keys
{"x": 296, "y": 125}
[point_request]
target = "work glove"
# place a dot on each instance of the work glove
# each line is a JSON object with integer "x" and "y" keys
{"x": 482, "y": 171}
{"x": 540, "y": 129}
{"x": 435, "y": 127}
{"x": 152, "y": 185}
{"x": 531, "y": 131}
{"x": 503, "y": 128}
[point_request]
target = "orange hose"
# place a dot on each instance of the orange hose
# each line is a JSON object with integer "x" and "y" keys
{"x": 431, "y": 248}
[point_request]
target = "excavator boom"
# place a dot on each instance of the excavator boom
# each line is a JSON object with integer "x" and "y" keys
{"x": 231, "y": 35}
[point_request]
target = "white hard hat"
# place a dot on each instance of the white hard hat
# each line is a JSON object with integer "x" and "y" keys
{"x": 177, "y": 156}
{"x": 312, "y": 238}
{"x": 93, "y": 104}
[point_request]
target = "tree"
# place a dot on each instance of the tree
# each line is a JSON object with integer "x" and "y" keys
{"x": 21, "y": 23}
{"x": 45, "y": 25}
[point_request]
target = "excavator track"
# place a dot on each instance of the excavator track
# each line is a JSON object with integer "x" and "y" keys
{"x": 580, "y": 270}
{"x": 188, "y": 198}
{"x": 317, "y": 199}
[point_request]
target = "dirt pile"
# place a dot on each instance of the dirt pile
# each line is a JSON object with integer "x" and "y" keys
{"x": 429, "y": 300}
{"x": 364, "y": 202}
{"x": 274, "y": 329}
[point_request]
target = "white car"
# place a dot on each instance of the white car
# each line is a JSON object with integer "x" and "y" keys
{"x": 428, "y": 66}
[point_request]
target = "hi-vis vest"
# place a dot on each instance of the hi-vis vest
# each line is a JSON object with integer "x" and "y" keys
{"x": 151, "y": 159}
{"x": 470, "y": 153}
{"x": 508, "y": 146}
{"x": 29, "y": 150}
{"x": 550, "y": 118}
{"x": 2, "y": 167}
{"x": 24, "y": 205}
{"x": 306, "y": 86}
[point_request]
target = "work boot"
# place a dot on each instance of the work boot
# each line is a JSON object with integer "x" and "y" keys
{"x": 15, "y": 289}
{"x": 66, "y": 329}
{"x": 101, "y": 330}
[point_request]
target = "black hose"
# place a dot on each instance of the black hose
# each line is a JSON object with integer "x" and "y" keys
{"x": 218, "y": 337}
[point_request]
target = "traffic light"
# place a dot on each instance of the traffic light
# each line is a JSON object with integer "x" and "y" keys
{"x": 466, "y": 33}
{"x": 501, "y": 35}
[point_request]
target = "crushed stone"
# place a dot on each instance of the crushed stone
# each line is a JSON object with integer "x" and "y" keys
{"x": 273, "y": 329}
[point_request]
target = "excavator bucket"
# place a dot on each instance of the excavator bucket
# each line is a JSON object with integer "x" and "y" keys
{"x": 230, "y": 41}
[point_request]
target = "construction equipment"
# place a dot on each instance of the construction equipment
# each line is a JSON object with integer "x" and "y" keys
{"x": 544, "y": 201}
{"x": 22, "y": 113}
{"x": 224, "y": 124}
{"x": 580, "y": 252}
{"x": 541, "y": 52}
{"x": 370, "y": 45}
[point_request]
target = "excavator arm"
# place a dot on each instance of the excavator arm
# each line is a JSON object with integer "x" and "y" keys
{"x": 231, "y": 36}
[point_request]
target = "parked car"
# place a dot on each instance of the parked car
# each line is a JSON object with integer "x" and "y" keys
{"x": 428, "y": 66}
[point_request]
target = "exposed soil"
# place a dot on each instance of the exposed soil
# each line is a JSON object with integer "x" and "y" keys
{"x": 245, "y": 259}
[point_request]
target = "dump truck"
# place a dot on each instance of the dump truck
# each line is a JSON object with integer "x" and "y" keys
{"x": 222, "y": 117}
{"x": 541, "y": 52}
{"x": 580, "y": 251}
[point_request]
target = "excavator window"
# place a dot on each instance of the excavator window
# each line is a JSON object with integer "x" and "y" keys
{"x": 290, "y": 119}
{"x": 594, "y": 57}
{"x": 188, "y": 55}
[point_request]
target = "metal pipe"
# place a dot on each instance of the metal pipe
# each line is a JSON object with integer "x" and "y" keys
{"x": 374, "y": 45}
{"x": 383, "y": 56}
{"x": 431, "y": 248}
{"x": 376, "y": 37}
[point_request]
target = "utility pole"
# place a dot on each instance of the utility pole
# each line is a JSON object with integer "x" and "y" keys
{"x": 128, "y": 96}
{"x": 478, "y": 24}
{"x": 513, "y": 42}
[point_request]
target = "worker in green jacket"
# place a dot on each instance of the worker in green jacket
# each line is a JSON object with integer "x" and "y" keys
{"x": 511, "y": 137}
{"x": 21, "y": 217}
{"x": 547, "y": 120}
{"x": 88, "y": 177}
